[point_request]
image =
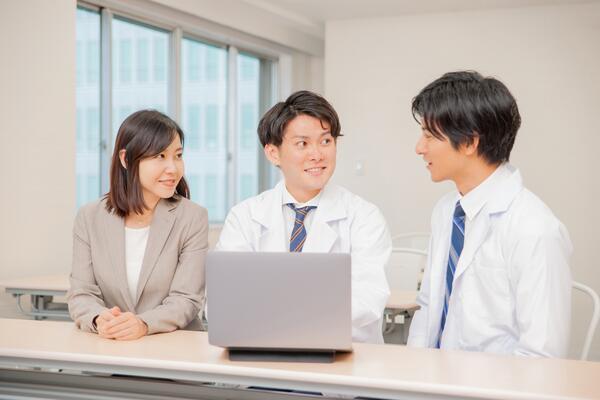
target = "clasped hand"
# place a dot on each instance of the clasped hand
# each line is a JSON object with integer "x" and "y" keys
{"x": 114, "y": 324}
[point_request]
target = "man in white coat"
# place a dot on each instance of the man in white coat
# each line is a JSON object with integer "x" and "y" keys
{"x": 497, "y": 278}
{"x": 305, "y": 213}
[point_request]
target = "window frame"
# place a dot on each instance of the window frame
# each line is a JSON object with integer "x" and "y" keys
{"x": 275, "y": 76}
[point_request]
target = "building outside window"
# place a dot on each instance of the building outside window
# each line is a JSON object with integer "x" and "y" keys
{"x": 87, "y": 156}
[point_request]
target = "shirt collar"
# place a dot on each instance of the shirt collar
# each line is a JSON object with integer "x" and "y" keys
{"x": 287, "y": 198}
{"x": 474, "y": 201}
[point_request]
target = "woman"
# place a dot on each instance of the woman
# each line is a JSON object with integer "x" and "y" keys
{"x": 138, "y": 253}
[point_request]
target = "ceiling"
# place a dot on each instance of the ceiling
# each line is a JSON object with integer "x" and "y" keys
{"x": 310, "y": 15}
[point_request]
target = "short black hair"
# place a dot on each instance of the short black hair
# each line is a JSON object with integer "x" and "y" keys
{"x": 271, "y": 127}
{"x": 143, "y": 134}
{"x": 463, "y": 105}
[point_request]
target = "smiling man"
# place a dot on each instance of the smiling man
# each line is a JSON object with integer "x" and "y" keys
{"x": 497, "y": 278}
{"x": 305, "y": 213}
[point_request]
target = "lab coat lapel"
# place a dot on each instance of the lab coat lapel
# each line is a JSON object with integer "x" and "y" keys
{"x": 478, "y": 231}
{"x": 160, "y": 229}
{"x": 504, "y": 194}
{"x": 268, "y": 213}
{"x": 321, "y": 236}
{"x": 438, "y": 281}
{"x": 115, "y": 247}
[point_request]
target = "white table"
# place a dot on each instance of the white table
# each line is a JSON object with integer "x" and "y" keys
{"x": 42, "y": 290}
{"x": 384, "y": 371}
{"x": 399, "y": 310}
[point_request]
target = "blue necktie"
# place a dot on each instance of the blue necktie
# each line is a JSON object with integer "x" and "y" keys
{"x": 456, "y": 246}
{"x": 299, "y": 232}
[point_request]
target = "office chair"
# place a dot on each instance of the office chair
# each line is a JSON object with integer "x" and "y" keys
{"x": 593, "y": 321}
{"x": 411, "y": 240}
{"x": 403, "y": 272}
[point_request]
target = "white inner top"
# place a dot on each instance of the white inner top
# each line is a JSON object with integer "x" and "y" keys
{"x": 135, "y": 247}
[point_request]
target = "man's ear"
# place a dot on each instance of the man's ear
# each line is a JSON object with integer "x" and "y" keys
{"x": 272, "y": 154}
{"x": 122, "y": 158}
{"x": 471, "y": 148}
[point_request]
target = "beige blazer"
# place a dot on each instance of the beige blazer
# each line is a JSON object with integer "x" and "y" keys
{"x": 170, "y": 290}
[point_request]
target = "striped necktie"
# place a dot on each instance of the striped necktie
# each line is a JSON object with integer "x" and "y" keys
{"x": 299, "y": 232}
{"x": 456, "y": 246}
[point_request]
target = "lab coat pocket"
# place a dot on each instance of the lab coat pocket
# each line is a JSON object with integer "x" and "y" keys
{"x": 487, "y": 293}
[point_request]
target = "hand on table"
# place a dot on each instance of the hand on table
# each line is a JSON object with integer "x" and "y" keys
{"x": 114, "y": 324}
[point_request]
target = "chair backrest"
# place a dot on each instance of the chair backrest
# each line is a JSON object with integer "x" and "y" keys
{"x": 412, "y": 240}
{"x": 593, "y": 321}
{"x": 404, "y": 268}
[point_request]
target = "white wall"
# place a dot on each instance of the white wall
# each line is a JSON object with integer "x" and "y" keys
{"x": 549, "y": 57}
{"x": 37, "y": 109}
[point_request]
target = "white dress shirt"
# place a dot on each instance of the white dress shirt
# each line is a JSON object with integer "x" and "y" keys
{"x": 512, "y": 285}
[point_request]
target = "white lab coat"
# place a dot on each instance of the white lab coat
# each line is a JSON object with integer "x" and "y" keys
{"x": 512, "y": 285}
{"x": 342, "y": 223}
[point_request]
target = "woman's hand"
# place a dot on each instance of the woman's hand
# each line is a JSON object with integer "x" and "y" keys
{"x": 103, "y": 318}
{"x": 114, "y": 324}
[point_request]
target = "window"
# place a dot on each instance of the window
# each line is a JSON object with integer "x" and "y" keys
{"x": 217, "y": 107}
{"x": 206, "y": 105}
{"x": 87, "y": 157}
{"x": 213, "y": 63}
{"x": 192, "y": 129}
{"x": 160, "y": 59}
{"x": 129, "y": 95}
{"x": 142, "y": 60}
{"x": 248, "y": 106}
{"x": 92, "y": 130}
{"x": 212, "y": 199}
{"x": 211, "y": 116}
{"x": 247, "y": 186}
{"x": 193, "y": 180}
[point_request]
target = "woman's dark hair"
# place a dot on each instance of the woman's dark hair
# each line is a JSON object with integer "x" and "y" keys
{"x": 464, "y": 105}
{"x": 143, "y": 134}
{"x": 271, "y": 127}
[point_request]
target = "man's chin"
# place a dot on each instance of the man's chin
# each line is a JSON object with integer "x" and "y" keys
{"x": 437, "y": 178}
{"x": 319, "y": 183}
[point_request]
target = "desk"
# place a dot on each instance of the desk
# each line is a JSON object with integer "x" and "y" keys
{"x": 403, "y": 301}
{"x": 399, "y": 310}
{"x": 42, "y": 290}
{"x": 384, "y": 371}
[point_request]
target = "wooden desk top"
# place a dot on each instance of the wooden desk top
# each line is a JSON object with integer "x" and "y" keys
{"x": 42, "y": 282}
{"x": 386, "y": 369}
{"x": 403, "y": 300}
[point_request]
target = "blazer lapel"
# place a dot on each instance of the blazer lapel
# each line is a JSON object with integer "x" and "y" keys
{"x": 115, "y": 247}
{"x": 321, "y": 236}
{"x": 160, "y": 229}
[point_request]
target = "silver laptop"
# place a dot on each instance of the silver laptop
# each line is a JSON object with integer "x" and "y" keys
{"x": 279, "y": 301}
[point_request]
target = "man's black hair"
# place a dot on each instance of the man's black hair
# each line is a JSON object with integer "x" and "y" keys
{"x": 463, "y": 105}
{"x": 271, "y": 127}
